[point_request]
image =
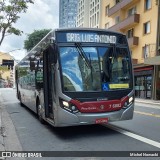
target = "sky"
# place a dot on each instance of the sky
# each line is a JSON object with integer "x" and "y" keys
{"x": 43, "y": 14}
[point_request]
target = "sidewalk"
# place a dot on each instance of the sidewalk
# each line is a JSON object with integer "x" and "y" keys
{"x": 147, "y": 101}
{"x": 8, "y": 137}
{"x": 2, "y": 148}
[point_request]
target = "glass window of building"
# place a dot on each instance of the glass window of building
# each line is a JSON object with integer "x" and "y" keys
{"x": 147, "y": 4}
{"x": 130, "y": 33}
{"x": 131, "y": 11}
{"x": 146, "y": 51}
{"x": 107, "y": 9}
{"x": 117, "y": 19}
{"x": 107, "y": 25}
{"x": 117, "y": 1}
{"x": 147, "y": 27}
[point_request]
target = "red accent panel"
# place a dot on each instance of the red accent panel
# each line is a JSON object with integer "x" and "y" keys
{"x": 143, "y": 69}
{"x": 100, "y": 106}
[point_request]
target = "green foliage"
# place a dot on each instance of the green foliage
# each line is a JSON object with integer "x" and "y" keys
{"x": 34, "y": 38}
{"x": 3, "y": 68}
{"x": 9, "y": 10}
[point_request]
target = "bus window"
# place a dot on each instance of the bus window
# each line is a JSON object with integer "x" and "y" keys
{"x": 39, "y": 74}
{"x": 114, "y": 64}
{"x": 79, "y": 73}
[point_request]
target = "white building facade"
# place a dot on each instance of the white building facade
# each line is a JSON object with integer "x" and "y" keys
{"x": 88, "y": 13}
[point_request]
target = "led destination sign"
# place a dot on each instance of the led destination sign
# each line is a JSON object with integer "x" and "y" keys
{"x": 92, "y": 37}
{"x": 89, "y": 37}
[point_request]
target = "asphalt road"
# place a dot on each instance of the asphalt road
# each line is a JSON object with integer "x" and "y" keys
{"x": 139, "y": 134}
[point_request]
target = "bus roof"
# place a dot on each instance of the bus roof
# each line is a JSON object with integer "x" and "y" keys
{"x": 86, "y": 29}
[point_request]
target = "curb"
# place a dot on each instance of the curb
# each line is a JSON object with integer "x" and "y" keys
{"x": 2, "y": 145}
{"x": 8, "y": 133}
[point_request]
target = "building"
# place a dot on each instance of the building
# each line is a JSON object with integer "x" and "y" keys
{"x": 88, "y": 13}
{"x": 138, "y": 19}
{"x": 6, "y": 70}
{"x": 82, "y": 19}
{"x": 67, "y": 13}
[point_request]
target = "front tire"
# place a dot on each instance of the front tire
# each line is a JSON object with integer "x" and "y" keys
{"x": 39, "y": 112}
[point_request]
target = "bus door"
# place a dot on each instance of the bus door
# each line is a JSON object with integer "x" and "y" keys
{"x": 49, "y": 80}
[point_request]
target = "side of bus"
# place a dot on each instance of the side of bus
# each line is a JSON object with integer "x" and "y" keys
{"x": 33, "y": 80}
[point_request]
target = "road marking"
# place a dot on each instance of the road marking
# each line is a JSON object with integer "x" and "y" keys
{"x": 148, "y": 114}
{"x": 135, "y": 136}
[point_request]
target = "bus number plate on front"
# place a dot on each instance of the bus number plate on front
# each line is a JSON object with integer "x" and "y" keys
{"x": 101, "y": 120}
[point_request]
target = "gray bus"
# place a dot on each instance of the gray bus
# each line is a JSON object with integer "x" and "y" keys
{"x": 78, "y": 77}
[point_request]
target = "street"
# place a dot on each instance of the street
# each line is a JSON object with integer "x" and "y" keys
{"x": 139, "y": 134}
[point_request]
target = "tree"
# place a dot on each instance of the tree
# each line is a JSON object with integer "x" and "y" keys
{"x": 9, "y": 11}
{"x": 34, "y": 38}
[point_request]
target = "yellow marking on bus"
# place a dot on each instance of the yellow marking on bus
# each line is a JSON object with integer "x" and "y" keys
{"x": 112, "y": 86}
{"x": 148, "y": 114}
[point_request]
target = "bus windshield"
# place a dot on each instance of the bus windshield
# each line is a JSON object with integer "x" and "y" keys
{"x": 95, "y": 69}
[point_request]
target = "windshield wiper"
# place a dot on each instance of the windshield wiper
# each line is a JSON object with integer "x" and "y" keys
{"x": 83, "y": 55}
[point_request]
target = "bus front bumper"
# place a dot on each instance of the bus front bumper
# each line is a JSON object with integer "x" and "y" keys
{"x": 65, "y": 118}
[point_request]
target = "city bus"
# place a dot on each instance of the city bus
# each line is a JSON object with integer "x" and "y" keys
{"x": 78, "y": 77}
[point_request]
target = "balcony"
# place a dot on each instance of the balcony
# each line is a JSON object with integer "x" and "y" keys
{"x": 126, "y": 23}
{"x": 121, "y": 5}
{"x": 133, "y": 41}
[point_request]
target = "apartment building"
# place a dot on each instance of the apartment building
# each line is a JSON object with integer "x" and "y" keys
{"x": 88, "y": 13}
{"x": 138, "y": 19}
{"x": 82, "y": 19}
{"x": 67, "y": 13}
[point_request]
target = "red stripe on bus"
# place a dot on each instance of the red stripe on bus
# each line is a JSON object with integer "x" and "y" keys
{"x": 100, "y": 106}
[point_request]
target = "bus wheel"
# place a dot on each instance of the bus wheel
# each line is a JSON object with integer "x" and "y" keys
{"x": 39, "y": 112}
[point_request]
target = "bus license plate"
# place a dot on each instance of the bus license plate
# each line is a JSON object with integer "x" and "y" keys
{"x": 101, "y": 120}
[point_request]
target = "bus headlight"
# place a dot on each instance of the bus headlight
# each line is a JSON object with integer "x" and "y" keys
{"x": 128, "y": 102}
{"x": 69, "y": 106}
{"x": 131, "y": 99}
{"x": 66, "y": 104}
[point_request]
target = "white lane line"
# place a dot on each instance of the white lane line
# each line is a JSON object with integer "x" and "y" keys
{"x": 135, "y": 136}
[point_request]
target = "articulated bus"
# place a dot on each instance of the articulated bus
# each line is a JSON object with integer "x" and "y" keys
{"x": 78, "y": 77}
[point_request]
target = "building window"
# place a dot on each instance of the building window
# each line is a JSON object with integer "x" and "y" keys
{"x": 107, "y": 9}
{"x": 146, "y": 51}
{"x": 131, "y": 11}
{"x": 117, "y": 1}
{"x": 147, "y": 27}
{"x": 107, "y": 25}
{"x": 130, "y": 33}
{"x": 97, "y": 17}
{"x": 117, "y": 19}
{"x": 147, "y": 4}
